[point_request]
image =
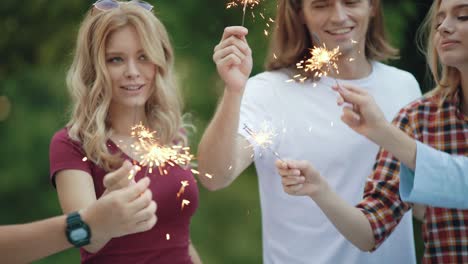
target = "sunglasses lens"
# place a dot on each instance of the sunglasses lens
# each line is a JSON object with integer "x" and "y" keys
{"x": 144, "y": 4}
{"x": 106, "y": 4}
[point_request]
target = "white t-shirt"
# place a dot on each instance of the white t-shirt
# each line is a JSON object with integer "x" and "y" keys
{"x": 306, "y": 121}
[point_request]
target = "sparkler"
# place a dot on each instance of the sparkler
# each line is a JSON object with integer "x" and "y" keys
{"x": 321, "y": 62}
{"x": 152, "y": 154}
{"x": 263, "y": 138}
{"x": 244, "y": 3}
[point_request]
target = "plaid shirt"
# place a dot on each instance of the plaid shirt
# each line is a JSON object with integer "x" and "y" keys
{"x": 445, "y": 231}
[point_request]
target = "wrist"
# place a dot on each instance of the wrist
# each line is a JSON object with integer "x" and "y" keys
{"x": 234, "y": 92}
{"x": 77, "y": 230}
{"x": 89, "y": 216}
{"x": 233, "y": 98}
{"x": 321, "y": 192}
{"x": 380, "y": 132}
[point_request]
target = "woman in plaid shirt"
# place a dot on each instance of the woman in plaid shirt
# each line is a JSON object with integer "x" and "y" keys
{"x": 439, "y": 119}
{"x": 427, "y": 175}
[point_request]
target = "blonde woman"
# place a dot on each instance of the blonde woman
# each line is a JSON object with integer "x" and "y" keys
{"x": 440, "y": 120}
{"x": 306, "y": 119}
{"x": 121, "y": 75}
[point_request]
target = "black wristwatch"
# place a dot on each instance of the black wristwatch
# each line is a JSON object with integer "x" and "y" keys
{"x": 78, "y": 232}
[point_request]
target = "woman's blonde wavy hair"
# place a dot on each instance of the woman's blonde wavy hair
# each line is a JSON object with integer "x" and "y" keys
{"x": 447, "y": 79}
{"x": 91, "y": 88}
{"x": 291, "y": 38}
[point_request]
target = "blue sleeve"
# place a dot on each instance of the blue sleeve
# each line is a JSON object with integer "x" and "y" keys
{"x": 439, "y": 179}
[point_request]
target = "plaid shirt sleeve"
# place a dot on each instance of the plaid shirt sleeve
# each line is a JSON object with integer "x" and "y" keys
{"x": 382, "y": 204}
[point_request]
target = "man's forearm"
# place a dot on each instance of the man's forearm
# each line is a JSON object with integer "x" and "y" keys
{"x": 28, "y": 242}
{"x": 217, "y": 147}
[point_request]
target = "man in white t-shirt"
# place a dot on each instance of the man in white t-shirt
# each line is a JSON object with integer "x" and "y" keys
{"x": 307, "y": 125}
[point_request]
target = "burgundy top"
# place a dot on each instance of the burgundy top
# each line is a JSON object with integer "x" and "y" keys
{"x": 168, "y": 241}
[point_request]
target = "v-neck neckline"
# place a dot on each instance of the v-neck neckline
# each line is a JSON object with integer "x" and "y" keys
{"x": 117, "y": 148}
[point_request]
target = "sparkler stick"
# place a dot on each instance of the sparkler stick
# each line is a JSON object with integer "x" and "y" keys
{"x": 263, "y": 139}
{"x": 243, "y": 12}
{"x": 244, "y": 3}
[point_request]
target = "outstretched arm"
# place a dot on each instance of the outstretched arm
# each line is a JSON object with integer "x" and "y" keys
{"x": 428, "y": 176}
{"x": 222, "y": 153}
{"x": 122, "y": 212}
{"x": 300, "y": 178}
{"x": 76, "y": 191}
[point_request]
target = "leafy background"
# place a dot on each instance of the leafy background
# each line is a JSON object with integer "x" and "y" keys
{"x": 36, "y": 43}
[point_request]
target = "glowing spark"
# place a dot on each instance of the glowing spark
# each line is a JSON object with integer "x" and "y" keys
{"x": 185, "y": 203}
{"x": 265, "y": 32}
{"x": 274, "y": 56}
{"x": 320, "y": 63}
{"x": 182, "y": 188}
{"x": 208, "y": 175}
{"x": 351, "y": 59}
{"x": 134, "y": 171}
{"x": 85, "y": 159}
{"x": 168, "y": 236}
{"x": 230, "y": 167}
{"x": 250, "y": 4}
{"x": 152, "y": 154}
{"x": 322, "y": 60}
{"x": 245, "y": 3}
{"x": 142, "y": 133}
{"x": 263, "y": 138}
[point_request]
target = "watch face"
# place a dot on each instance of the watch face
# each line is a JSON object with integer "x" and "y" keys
{"x": 78, "y": 234}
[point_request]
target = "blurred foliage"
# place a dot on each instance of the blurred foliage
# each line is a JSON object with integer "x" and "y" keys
{"x": 35, "y": 49}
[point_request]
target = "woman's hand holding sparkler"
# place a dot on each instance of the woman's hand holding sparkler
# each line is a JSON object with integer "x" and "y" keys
{"x": 233, "y": 58}
{"x": 364, "y": 116}
{"x": 122, "y": 212}
{"x": 300, "y": 178}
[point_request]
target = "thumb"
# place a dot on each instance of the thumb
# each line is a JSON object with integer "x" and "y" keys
{"x": 350, "y": 95}
{"x": 304, "y": 166}
{"x": 134, "y": 191}
{"x": 116, "y": 176}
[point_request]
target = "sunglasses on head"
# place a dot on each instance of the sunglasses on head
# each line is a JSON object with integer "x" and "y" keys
{"x": 105, "y": 5}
